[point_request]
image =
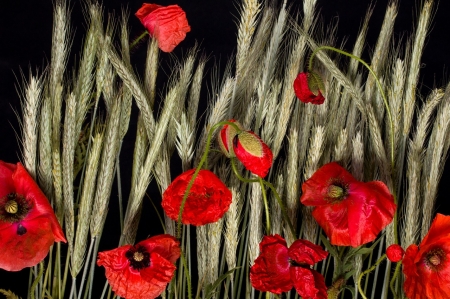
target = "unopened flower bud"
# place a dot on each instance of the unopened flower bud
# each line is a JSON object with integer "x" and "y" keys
{"x": 395, "y": 253}
{"x": 253, "y": 153}
{"x": 225, "y": 138}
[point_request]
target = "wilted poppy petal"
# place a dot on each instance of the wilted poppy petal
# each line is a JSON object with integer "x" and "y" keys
{"x": 308, "y": 283}
{"x": 167, "y": 24}
{"x": 270, "y": 272}
{"x": 207, "y": 202}
{"x": 305, "y": 252}
{"x": 253, "y": 153}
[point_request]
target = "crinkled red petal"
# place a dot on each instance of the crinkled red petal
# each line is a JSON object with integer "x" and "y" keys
{"x": 308, "y": 283}
{"x": 159, "y": 273}
{"x": 165, "y": 245}
{"x": 167, "y": 24}
{"x": 305, "y": 252}
{"x": 145, "y": 10}
{"x": 207, "y": 202}
{"x": 270, "y": 272}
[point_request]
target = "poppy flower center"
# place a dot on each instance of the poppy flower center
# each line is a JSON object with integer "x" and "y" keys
{"x": 139, "y": 257}
{"x": 434, "y": 259}
{"x": 336, "y": 192}
{"x": 13, "y": 207}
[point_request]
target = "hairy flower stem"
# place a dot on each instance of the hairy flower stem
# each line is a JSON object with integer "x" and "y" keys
{"x": 188, "y": 277}
{"x": 368, "y": 271}
{"x": 138, "y": 39}
{"x": 277, "y": 196}
{"x": 266, "y": 205}
{"x": 394, "y": 278}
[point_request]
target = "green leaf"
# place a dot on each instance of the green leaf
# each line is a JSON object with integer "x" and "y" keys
{"x": 331, "y": 249}
{"x": 210, "y": 288}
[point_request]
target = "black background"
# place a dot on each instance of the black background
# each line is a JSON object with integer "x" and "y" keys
{"x": 25, "y": 43}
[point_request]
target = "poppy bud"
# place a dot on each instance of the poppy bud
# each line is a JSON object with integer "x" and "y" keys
{"x": 395, "y": 253}
{"x": 225, "y": 138}
{"x": 307, "y": 87}
{"x": 253, "y": 153}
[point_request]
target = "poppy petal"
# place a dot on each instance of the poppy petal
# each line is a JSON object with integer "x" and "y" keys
{"x": 305, "y": 252}
{"x": 309, "y": 283}
{"x": 270, "y": 272}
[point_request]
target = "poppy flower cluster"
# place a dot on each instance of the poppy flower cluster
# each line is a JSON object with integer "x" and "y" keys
{"x": 247, "y": 147}
{"x": 28, "y": 225}
{"x": 208, "y": 198}
{"x": 351, "y": 213}
{"x": 168, "y": 24}
{"x": 278, "y": 268}
{"x": 427, "y": 266}
{"x": 304, "y": 92}
{"x": 141, "y": 271}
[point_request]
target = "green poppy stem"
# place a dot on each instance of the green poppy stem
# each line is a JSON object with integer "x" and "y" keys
{"x": 394, "y": 278}
{"x": 277, "y": 196}
{"x": 36, "y": 281}
{"x": 138, "y": 39}
{"x": 368, "y": 271}
{"x": 266, "y": 205}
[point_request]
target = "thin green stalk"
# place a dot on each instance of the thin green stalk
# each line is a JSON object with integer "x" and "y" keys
{"x": 66, "y": 270}
{"x": 394, "y": 279}
{"x": 86, "y": 266}
{"x": 138, "y": 39}
{"x": 91, "y": 272}
{"x": 277, "y": 196}
{"x": 188, "y": 277}
{"x": 36, "y": 281}
{"x": 366, "y": 272}
{"x": 119, "y": 187}
{"x": 266, "y": 205}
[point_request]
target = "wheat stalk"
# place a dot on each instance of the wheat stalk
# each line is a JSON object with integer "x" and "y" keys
{"x": 30, "y": 111}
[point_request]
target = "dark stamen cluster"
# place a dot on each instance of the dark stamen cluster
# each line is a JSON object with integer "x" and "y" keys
{"x": 435, "y": 258}
{"x": 139, "y": 257}
{"x": 14, "y": 207}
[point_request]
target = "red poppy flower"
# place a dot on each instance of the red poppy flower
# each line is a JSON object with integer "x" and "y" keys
{"x": 28, "y": 226}
{"x": 253, "y": 153}
{"x": 168, "y": 24}
{"x": 141, "y": 271}
{"x": 208, "y": 198}
{"x": 303, "y": 91}
{"x": 349, "y": 211}
{"x": 278, "y": 268}
{"x": 226, "y": 136}
{"x": 427, "y": 266}
{"x": 395, "y": 253}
